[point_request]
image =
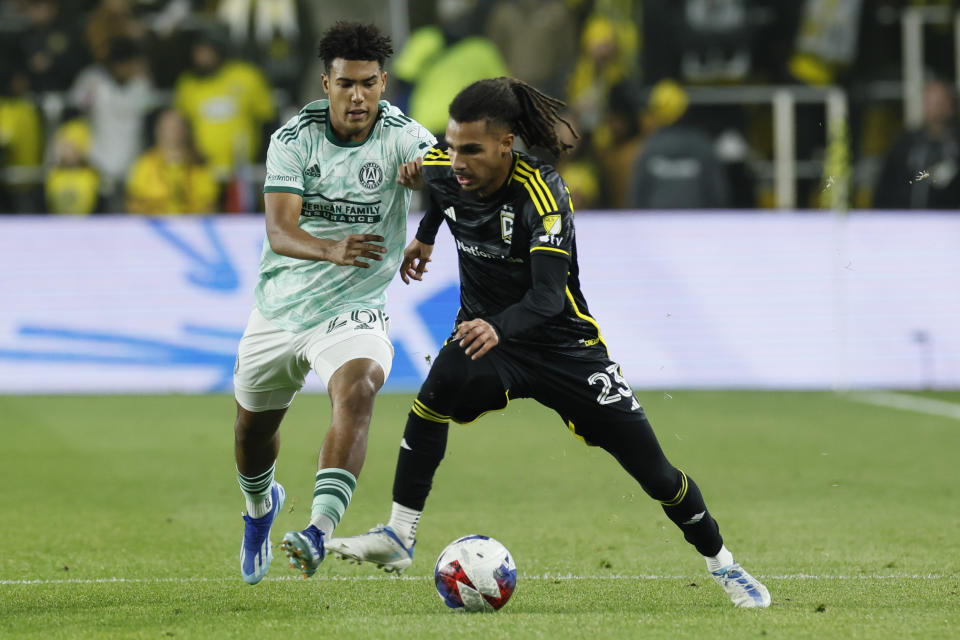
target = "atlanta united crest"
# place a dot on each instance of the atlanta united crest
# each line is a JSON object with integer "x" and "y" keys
{"x": 371, "y": 176}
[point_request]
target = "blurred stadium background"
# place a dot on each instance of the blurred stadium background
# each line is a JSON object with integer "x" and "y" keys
{"x": 778, "y": 181}
{"x": 767, "y": 202}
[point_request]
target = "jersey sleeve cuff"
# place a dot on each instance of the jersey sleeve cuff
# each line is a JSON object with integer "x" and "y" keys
{"x": 552, "y": 251}
{"x": 272, "y": 189}
{"x": 426, "y": 237}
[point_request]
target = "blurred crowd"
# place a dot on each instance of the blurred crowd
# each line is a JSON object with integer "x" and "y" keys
{"x": 166, "y": 106}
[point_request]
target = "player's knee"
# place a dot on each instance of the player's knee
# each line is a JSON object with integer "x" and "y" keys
{"x": 355, "y": 385}
{"x": 359, "y": 396}
{"x": 636, "y": 448}
{"x": 663, "y": 484}
{"x": 448, "y": 378}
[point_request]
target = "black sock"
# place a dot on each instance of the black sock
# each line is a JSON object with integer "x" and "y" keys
{"x": 688, "y": 511}
{"x": 424, "y": 443}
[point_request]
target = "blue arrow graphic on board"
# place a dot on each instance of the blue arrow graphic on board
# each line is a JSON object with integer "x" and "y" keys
{"x": 215, "y": 272}
{"x": 439, "y": 312}
{"x": 137, "y": 350}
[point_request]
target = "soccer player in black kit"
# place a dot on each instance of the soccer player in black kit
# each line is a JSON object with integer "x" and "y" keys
{"x": 524, "y": 329}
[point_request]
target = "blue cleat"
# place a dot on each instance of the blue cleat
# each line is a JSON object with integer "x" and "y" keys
{"x": 256, "y": 551}
{"x": 304, "y": 549}
{"x": 743, "y": 589}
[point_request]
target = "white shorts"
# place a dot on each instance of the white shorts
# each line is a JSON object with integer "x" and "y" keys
{"x": 272, "y": 363}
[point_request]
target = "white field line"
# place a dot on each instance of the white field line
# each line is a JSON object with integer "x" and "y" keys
{"x": 907, "y": 402}
{"x": 522, "y": 577}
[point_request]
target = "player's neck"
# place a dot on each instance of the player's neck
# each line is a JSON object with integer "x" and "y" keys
{"x": 355, "y": 138}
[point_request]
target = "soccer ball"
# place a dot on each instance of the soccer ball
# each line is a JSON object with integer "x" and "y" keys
{"x": 475, "y": 573}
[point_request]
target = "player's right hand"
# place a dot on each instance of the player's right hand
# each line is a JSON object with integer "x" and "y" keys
{"x": 415, "y": 259}
{"x": 410, "y": 174}
{"x": 347, "y": 252}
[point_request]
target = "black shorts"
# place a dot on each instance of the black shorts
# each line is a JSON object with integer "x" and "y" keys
{"x": 584, "y": 386}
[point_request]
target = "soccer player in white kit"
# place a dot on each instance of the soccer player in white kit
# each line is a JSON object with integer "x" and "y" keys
{"x": 336, "y": 208}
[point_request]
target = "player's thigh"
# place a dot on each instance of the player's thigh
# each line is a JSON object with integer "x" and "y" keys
{"x": 354, "y": 335}
{"x": 461, "y": 389}
{"x": 268, "y": 372}
{"x": 588, "y": 391}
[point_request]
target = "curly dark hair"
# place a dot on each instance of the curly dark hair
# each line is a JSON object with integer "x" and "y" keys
{"x": 354, "y": 41}
{"x": 524, "y": 110}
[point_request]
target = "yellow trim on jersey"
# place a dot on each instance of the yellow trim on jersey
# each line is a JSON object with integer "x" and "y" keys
{"x": 534, "y": 175}
{"x": 506, "y": 393}
{"x": 681, "y": 494}
{"x": 566, "y": 253}
{"x": 427, "y": 413}
{"x": 535, "y": 194}
{"x": 583, "y": 316}
{"x": 573, "y": 430}
{"x": 539, "y": 183}
{"x": 538, "y": 192}
{"x": 436, "y": 156}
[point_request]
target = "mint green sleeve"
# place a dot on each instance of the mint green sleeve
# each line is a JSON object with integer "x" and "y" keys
{"x": 285, "y": 166}
{"x": 414, "y": 141}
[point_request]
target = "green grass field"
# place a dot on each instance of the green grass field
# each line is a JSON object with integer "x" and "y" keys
{"x": 120, "y": 517}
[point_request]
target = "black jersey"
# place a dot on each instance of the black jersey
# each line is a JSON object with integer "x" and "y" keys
{"x": 496, "y": 237}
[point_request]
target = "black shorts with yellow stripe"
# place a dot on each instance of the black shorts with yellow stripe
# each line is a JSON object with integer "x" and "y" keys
{"x": 584, "y": 386}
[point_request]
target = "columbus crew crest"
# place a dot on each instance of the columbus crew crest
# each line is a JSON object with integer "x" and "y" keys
{"x": 370, "y": 176}
{"x": 506, "y": 223}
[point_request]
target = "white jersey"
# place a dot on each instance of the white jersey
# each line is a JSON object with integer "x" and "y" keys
{"x": 347, "y": 188}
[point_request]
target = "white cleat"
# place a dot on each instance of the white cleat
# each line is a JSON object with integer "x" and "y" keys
{"x": 380, "y": 546}
{"x": 744, "y": 590}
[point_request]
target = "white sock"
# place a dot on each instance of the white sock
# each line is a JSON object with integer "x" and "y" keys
{"x": 259, "y": 505}
{"x": 403, "y": 521}
{"x": 325, "y": 523}
{"x": 257, "y": 491}
{"x": 723, "y": 559}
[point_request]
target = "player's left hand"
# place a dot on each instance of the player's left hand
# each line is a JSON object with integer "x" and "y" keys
{"x": 410, "y": 174}
{"x": 477, "y": 337}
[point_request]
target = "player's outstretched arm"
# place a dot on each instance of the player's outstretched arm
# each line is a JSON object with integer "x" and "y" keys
{"x": 288, "y": 239}
{"x": 415, "y": 259}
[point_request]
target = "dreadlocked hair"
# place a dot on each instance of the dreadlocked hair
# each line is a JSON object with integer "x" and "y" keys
{"x": 354, "y": 41}
{"x": 532, "y": 115}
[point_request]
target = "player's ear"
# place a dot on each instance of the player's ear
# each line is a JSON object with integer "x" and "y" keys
{"x": 383, "y": 82}
{"x": 506, "y": 143}
{"x": 325, "y": 81}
